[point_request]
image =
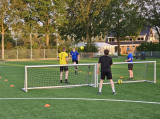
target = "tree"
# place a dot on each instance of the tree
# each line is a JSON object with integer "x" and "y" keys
{"x": 85, "y": 20}
{"x": 150, "y": 10}
{"x": 148, "y": 46}
{"x": 4, "y": 13}
{"x": 50, "y": 15}
{"x": 37, "y": 16}
{"x": 7, "y": 38}
{"x": 9, "y": 46}
{"x": 123, "y": 20}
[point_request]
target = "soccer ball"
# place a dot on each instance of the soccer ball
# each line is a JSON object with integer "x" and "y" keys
{"x": 119, "y": 81}
{"x": 81, "y": 47}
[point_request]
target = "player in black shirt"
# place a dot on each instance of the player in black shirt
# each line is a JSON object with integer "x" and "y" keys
{"x": 105, "y": 62}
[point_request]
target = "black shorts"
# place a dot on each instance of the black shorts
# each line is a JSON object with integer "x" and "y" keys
{"x": 65, "y": 68}
{"x": 108, "y": 74}
{"x": 73, "y": 60}
{"x": 130, "y": 66}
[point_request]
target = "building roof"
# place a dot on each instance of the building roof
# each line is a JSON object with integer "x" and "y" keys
{"x": 145, "y": 31}
{"x": 98, "y": 44}
{"x": 126, "y": 43}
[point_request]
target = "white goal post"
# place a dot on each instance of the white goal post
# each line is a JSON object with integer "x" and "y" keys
{"x": 48, "y": 76}
{"x": 143, "y": 71}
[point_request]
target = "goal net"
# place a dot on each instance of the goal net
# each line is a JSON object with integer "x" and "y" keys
{"x": 144, "y": 71}
{"x": 48, "y": 76}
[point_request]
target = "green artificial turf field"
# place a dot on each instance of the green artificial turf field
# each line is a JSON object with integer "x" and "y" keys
{"x": 134, "y": 100}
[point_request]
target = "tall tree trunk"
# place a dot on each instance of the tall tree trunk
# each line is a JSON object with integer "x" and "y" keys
{"x": 118, "y": 45}
{"x": 2, "y": 45}
{"x": 47, "y": 41}
{"x": 87, "y": 34}
{"x": 2, "y": 41}
{"x": 90, "y": 40}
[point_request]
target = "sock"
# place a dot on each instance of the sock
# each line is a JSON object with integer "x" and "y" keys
{"x": 100, "y": 90}
{"x": 65, "y": 79}
{"x": 60, "y": 80}
{"x": 113, "y": 89}
{"x": 75, "y": 70}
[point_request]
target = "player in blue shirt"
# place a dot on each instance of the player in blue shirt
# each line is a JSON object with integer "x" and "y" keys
{"x": 75, "y": 58}
{"x": 130, "y": 66}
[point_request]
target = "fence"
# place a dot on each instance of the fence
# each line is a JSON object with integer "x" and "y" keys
{"x": 40, "y": 54}
{"x": 29, "y": 54}
{"x": 52, "y": 53}
{"x": 155, "y": 54}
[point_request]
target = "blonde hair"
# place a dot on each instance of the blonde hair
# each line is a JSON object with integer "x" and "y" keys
{"x": 129, "y": 50}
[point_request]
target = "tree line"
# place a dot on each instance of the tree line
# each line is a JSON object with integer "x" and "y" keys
{"x": 73, "y": 21}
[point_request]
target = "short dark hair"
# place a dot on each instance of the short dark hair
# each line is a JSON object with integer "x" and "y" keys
{"x": 64, "y": 48}
{"x": 106, "y": 52}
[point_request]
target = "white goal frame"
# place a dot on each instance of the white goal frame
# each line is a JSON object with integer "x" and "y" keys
{"x": 154, "y": 81}
{"x": 48, "y": 87}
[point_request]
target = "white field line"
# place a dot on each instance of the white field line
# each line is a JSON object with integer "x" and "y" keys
{"x": 113, "y": 100}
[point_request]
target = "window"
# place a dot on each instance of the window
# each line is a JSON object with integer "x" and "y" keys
{"x": 130, "y": 39}
{"x": 138, "y": 39}
{"x": 111, "y": 39}
{"x": 141, "y": 38}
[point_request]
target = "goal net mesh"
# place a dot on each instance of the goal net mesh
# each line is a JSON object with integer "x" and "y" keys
{"x": 49, "y": 76}
{"x": 141, "y": 72}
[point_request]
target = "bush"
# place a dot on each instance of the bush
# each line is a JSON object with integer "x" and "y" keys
{"x": 88, "y": 48}
{"x": 148, "y": 46}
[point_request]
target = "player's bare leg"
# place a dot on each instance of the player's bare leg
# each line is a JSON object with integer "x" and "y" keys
{"x": 112, "y": 86}
{"x": 111, "y": 81}
{"x": 100, "y": 86}
{"x": 66, "y": 77}
{"x": 131, "y": 74}
{"x": 101, "y": 82}
{"x": 61, "y": 74}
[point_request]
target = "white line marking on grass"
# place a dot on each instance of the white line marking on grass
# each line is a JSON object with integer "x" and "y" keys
{"x": 79, "y": 99}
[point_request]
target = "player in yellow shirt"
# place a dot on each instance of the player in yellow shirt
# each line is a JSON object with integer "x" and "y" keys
{"x": 63, "y": 59}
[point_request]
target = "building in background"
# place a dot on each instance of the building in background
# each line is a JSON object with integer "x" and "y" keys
{"x": 146, "y": 35}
